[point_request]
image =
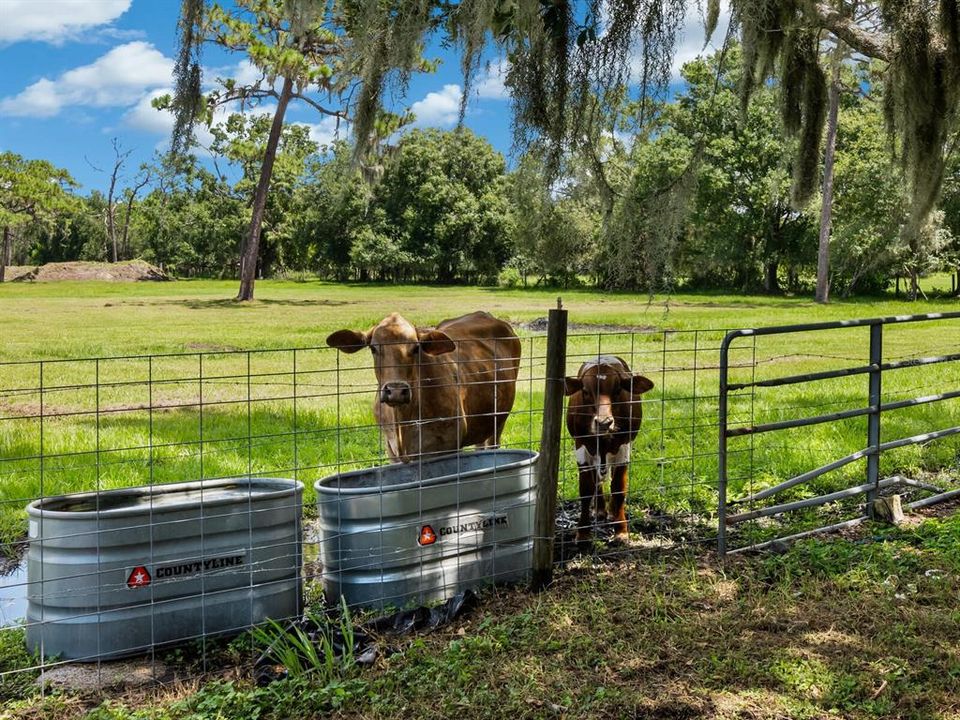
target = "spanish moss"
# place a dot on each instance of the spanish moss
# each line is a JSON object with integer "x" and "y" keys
{"x": 188, "y": 97}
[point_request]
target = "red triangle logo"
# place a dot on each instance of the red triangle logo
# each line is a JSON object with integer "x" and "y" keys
{"x": 427, "y": 536}
{"x": 139, "y": 577}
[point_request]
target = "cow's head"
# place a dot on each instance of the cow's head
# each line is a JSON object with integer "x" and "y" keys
{"x": 607, "y": 390}
{"x": 398, "y": 349}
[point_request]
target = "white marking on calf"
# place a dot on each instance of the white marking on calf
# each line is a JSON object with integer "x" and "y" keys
{"x": 620, "y": 457}
{"x": 585, "y": 458}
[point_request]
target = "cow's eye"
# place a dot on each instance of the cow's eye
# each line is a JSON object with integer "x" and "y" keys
{"x": 373, "y": 349}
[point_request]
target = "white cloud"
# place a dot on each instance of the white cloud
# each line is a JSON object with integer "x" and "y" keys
{"x": 438, "y": 109}
{"x": 144, "y": 116}
{"x": 692, "y": 36}
{"x": 325, "y": 132}
{"x": 55, "y": 20}
{"x": 246, "y": 73}
{"x": 491, "y": 85}
{"x": 116, "y": 79}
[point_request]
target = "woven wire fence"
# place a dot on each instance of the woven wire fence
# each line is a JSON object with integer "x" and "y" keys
{"x": 243, "y": 421}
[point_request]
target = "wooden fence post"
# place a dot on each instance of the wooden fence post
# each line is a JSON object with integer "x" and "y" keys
{"x": 548, "y": 467}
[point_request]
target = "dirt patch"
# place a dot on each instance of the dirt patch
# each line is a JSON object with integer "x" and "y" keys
{"x": 128, "y": 271}
{"x": 17, "y": 272}
{"x": 540, "y": 325}
{"x": 89, "y": 677}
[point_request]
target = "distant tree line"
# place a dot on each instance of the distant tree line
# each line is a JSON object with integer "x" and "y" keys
{"x": 444, "y": 206}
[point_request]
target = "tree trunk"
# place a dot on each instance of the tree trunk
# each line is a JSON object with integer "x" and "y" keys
{"x": 5, "y": 253}
{"x": 771, "y": 282}
{"x": 252, "y": 250}
{"x": 826, "y": 209}
{"x": 914, "y": 284}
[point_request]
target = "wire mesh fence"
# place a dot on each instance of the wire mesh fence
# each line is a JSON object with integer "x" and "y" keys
{"x": 95, "y": 426}
{"x": 316, "y": 419}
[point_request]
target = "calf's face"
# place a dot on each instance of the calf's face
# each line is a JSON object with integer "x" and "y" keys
{"x": 608, "y": 393}
{"x": 397, "y": 348}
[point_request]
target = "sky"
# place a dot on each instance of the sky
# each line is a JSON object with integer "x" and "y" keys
{"x": 79, "y": 73}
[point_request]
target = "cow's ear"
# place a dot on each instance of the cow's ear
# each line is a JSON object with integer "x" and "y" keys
{"x": 637, "y": 384}
{"x": 349, "y": 341}
{"x": 436, "y": 342}
{"x": 572, "y": 385}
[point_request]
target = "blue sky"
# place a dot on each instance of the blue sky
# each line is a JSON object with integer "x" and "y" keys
{"x": 78, "y": 73}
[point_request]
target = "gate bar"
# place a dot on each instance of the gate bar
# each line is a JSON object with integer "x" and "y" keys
{"x": 799, "y": 504}
{"x": 802, "y": 422}
{"x": 804, "y": 477}
{"x": 799, "y": 535}
{"x": 805, "y": 377}
{"x": 923, "y": 437}
{"x": 923, "y": 400}
{"x": 845, "y": 372}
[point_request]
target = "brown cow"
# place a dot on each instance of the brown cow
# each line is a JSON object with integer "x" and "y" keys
{"x": 603, "y": 417}
{"x": 440, "y": 389}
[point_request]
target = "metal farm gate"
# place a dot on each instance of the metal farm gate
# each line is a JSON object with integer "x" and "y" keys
{"x": 879, "y": 376}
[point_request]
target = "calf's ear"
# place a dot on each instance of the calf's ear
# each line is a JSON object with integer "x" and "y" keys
{"x": 436, "y": 342}
{"x": 637, "y": 384}
{"x": 572, "y": 385}
{"x": 349, "y": 341}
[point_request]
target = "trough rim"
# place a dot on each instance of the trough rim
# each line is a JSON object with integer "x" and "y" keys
{"x": 532, "y": 457}
{"x": 284, "y": 487}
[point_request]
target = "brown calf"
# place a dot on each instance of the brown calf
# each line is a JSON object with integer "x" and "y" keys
{"x": 439, "y": 390}
{"x": 603, "y": 417}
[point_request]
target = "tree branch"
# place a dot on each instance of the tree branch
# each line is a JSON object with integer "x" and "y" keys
{"x": 319, "y": 107}
{"x": 873, "y": 44}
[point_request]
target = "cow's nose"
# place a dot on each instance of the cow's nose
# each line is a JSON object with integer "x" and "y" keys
{"x": 395, "y": 393}
{"x": 604, "y": 423}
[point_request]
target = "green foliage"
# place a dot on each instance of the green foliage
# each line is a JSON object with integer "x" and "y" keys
{"x": 312, "y": 654}
{"x": 16, "y": 683}
{"x": 555, "y": 227}
{"x": 443, "y": 202}
{"x": 31, "y": 190}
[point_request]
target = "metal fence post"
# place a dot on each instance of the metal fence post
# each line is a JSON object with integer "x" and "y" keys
{"x": 873, "y": 419}
{"x": 722, "y": 444}
{"x": 548, "y": 466}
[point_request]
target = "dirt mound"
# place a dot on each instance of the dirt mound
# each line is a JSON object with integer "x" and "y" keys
{"x": 127, "y": 271}
{"x": 540, "y": 325}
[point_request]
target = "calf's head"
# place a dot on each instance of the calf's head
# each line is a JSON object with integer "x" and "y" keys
{"x": 398, "y": 349}
{"x": 607, "y": 393}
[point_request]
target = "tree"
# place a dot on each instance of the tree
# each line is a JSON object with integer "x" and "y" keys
{"x": 330, "y": 209}
{"x": 308, "y": 48}
{"x": 554, "y": 226}
{"x": 826, "y": 202}
{"x": 30, "y": 191}
{"x": 241, "y": 140}
{"x": 191, "y": 221}
{"x": 442, "y": 198}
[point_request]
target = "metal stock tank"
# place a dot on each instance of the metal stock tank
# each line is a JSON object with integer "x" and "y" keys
{"x": 117, "y": 572}
{"x": 425, "y": 530}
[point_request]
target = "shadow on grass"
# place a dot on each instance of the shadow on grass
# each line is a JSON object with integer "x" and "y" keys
{"x": 218, "y": 303}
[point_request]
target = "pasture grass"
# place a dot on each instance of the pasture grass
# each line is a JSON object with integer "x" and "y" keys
{"x": 168, "y": 392}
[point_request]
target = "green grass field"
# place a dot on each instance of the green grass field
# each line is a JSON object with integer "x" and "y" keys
{"x": 293, "y": 408}
{"x": 828, "y": 629}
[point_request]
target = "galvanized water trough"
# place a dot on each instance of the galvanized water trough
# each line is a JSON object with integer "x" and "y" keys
{"x": 118, "y": 572}
{"x": 423, "y": 531}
